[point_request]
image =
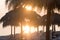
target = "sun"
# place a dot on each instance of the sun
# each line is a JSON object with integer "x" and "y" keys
{"x": 28, "y": 7}
{"x": 26, "y": 29}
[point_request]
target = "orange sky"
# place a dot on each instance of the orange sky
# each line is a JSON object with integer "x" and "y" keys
{"x": 3, "y": 10}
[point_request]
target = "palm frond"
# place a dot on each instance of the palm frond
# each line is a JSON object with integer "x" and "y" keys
{"x": 13, "y": 3}
{"x": 6, "y": 2}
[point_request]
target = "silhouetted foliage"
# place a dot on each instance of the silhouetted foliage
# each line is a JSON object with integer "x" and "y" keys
{"x": 55, "y": 19}
{"x": 12, "y": 18}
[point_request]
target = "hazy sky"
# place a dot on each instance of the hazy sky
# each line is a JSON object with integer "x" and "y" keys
{"x": 3, "y": 10}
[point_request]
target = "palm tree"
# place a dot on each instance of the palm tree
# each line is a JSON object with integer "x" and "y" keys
{"x": 48, "y": 4}
{"x": 55, "y": 20}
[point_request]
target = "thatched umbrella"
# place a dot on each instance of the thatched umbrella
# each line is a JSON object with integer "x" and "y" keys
{"x": 54, "y": 19}
{"x": 13, "y": 18}
{"x": 35, "y": 19}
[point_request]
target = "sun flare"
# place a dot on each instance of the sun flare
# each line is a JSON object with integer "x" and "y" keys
{"x": 26, "y": 29}
{"x": 28, "y": 7}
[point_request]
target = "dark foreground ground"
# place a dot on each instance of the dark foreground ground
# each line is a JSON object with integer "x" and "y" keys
{"x": 34, "y": 36}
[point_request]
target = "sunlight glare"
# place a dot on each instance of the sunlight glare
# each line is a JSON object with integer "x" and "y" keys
{"x": 28, "y": 7}
{"x": 26, "y": 29}
{"x": 32, "y": 30}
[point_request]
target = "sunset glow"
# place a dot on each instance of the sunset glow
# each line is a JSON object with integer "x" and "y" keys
{"x": 33, "y": 30}
{"x": 28, "y": 7}
{"x": 28, "y": 29}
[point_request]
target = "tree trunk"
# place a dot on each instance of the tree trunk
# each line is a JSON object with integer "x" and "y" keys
{"x": 14, "y": 32}
{"x": 21, "y": 32}
{"x": 11, "y": 30}
{"x": 54, "y": 28}
{"x": 37, "y": 32}
{"x": 48, "y": 24}
{"x": 11, "y": 33}
{"x": 53, "y": 31}
{"x": 37, "y": 29}
{"x": 43, "y": 28}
